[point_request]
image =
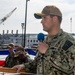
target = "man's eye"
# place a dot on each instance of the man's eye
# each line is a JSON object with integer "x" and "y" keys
{"x": 44, "y": 17}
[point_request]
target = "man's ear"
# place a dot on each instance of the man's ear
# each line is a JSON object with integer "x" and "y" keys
{"x": 55, "y": 18}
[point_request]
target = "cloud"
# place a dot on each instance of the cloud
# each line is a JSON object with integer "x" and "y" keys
{"x": 34, "y": 25}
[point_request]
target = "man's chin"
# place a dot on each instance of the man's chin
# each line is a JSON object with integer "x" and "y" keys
{"x": 45, "y": 30}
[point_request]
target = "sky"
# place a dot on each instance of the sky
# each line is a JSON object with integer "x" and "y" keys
{"x": 33, "y": 26}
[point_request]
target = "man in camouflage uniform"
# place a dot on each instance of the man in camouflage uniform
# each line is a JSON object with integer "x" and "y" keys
{"x": 16, "y": 58}
{"x": 21, "y": 56}
{"x": 56, "y": 54}
{"x": 9, "y": 59}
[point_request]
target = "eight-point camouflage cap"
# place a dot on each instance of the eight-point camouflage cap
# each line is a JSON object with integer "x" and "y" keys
{"x": 48, "y": 10}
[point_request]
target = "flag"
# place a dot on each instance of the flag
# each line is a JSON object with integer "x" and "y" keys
{"x": 2, "y": 60}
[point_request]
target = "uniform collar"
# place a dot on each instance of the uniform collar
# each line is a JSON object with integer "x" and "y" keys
{"x": 56, "y": 36}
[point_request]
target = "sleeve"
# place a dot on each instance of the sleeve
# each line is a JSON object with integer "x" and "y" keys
{"x": 69, "y": 59}
{"x": 64, "y": 59}
{"x": 31, "y": 66}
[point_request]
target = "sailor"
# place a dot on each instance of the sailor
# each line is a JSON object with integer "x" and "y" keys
{"x": 21, "y": 56}
{"x": 58, "y": 49}
{"x": 9, "y": 58}
{"x": 16, "y": 58}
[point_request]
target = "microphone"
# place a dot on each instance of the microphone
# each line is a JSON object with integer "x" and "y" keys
{"x": 40, "y": 37}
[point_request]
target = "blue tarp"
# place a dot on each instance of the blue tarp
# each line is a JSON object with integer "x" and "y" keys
{"x": 6, "y": 52}
{"x": 30, "y": 51}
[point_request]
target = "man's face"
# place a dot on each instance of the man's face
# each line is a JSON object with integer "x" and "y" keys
{"x": 47, "y": 23}
{"x": 11, "y": 50}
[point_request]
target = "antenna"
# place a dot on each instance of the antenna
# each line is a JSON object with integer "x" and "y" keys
{"x": 71, "y": 24}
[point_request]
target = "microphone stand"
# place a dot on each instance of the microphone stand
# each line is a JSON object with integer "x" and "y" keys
{"x": 42, "y": 63}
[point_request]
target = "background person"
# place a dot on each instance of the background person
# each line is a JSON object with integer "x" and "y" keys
{"x": 9, "y": 58}
{"x": 21, "y": 56}
{"x": 16, "y": 58}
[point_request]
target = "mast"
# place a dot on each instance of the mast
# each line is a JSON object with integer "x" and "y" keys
{"x": 25, "y": 23}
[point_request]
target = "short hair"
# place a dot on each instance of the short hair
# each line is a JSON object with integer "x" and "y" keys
{"x": 59, "y": 18}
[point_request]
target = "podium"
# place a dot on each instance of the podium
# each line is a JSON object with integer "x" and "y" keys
{"x": 5, "y": 73}
{"x": 9, "y": 71}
